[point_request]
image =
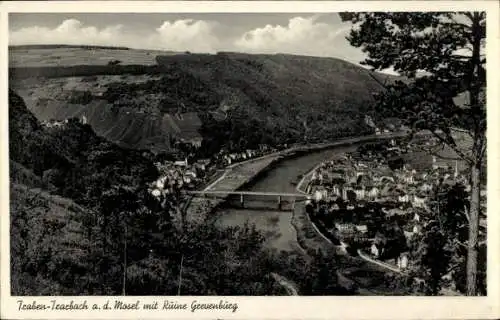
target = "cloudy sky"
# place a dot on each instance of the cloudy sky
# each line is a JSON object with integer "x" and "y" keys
{"x": 295, "y": 33}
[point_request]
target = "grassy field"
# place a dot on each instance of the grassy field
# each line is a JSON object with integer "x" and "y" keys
{"x": 71, "y": 56}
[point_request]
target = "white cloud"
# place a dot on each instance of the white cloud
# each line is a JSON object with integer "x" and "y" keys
{"x": 305, "y": 36}
{"x": 302, "y": 35}
{"x": 180, "y": 35}
{"x": 70, "y": 31}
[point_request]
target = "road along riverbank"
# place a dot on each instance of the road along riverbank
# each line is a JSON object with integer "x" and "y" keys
{"x": 308, "y": 235}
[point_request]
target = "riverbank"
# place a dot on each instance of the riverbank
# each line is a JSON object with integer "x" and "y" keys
{"x": 309, "y": 237}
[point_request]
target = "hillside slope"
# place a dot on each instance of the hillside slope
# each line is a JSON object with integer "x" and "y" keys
{"x": 58, "y": 177}
{"x": 71, "y": 158}
{"x": 49, "y": 252}
{"x": 289, "y": 98}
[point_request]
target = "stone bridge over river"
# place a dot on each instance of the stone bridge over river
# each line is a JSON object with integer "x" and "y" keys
{"x": 281, "y": 198}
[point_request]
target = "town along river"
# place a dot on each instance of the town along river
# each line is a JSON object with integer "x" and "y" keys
{"x": 263, "y": 212}
{"x": 276, "y": 225}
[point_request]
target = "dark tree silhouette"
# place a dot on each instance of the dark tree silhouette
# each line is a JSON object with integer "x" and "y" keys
{"x": 442, "y": 55}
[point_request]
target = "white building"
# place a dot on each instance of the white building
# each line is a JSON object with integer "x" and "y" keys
{"x": 201, "y": 166}
{"x": 425, "y": 187}
{"x": 362, "y": 228}
{"x": 190, "y": 173}
{"x": 318, "y": 195}
{"x": 416, "y": 229}
{"x": 434, "y": 163}
{"x": 160, "y": 183}
{"x": 374, "y": 250}
{"x": 418, "y": 202}
{"x": 360, "y": 193}
{"x": 373, "y": 192}
{"x": 336, "y": 190}
{"x": 182, "y": 163}
{"x": 408, "y": 234}
{"x": 404, "y": 198}
{"x": 403, "y": 261}
{"x": 416, "y": 217}
{"x": 409, "y": 179}
{"x": 156, "y": 193}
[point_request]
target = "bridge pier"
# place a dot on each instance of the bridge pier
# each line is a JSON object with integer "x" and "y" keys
{"x": 242, "y": 202}
{"x": 279, "y": 202}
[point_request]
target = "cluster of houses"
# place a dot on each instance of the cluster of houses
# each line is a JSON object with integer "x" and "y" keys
{"x": 358, "y": 201}
{"x": 387, "y": 125}
{"x": 54, "y": 123}
{"x": 224, "y": 158}
{"x": 61, "y": 123}
{"x": 185, "y": 175}
{"x": 359, "y": 181}
{"x": 180, "y": 175}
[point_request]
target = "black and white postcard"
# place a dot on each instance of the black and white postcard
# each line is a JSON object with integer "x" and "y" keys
{"x": 211, "y": 159}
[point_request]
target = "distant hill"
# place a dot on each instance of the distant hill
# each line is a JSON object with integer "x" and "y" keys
{"x": 73, "y": 55}
{"x": 287, "y": 98}
{"x": 59, "y": 46}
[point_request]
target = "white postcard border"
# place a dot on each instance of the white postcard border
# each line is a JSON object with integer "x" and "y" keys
{"x": 276, "y": 307}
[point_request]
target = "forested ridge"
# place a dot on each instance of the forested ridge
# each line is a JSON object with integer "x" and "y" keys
{"x": 289, "y": 98}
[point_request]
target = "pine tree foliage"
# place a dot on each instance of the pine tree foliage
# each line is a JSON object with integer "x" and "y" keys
{"x": 442, "y": 56}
